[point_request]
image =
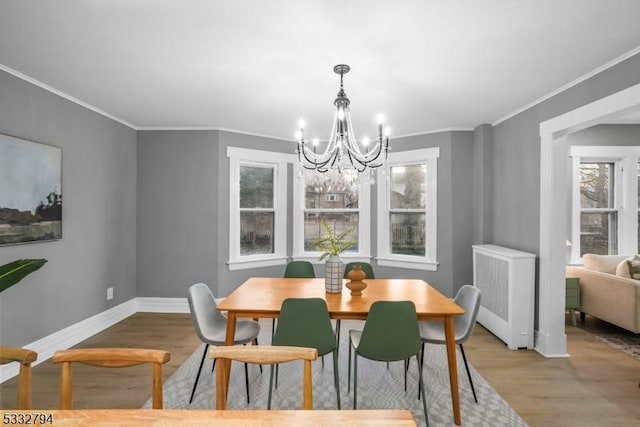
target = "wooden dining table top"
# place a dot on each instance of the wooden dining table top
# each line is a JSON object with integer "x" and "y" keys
{"x": 263, "y": 297}
{"x": 231, "y": 418}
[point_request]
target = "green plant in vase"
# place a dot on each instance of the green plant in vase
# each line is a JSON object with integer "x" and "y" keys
{"x": 332, "y": 245}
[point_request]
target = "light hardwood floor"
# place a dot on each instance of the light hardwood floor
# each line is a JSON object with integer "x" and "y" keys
{"x": 596, "y": 386}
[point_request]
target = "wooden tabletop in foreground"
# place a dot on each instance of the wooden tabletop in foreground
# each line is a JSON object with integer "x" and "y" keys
{"x": 232, "y": 418}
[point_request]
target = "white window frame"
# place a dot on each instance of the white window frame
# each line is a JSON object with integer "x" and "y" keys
{"x": 278, "y": 161}
{"x": 364, "y": 222}
{"x": 429, "y": 261}
{"x": 625, "y": 160}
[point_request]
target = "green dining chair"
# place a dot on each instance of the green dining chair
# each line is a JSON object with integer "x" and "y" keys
{"x": 300, "y": 269}
{"x": 305, "y": 322}
{"x": 366, "y": 267}
{"x": 390, "y": 334}
{"x": 296, "y": 270}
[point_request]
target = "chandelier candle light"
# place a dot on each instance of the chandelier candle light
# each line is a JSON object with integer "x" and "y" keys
{"x": 343, "y": 150}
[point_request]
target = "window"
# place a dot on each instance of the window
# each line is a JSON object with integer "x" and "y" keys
{"x": 606, "y": 201}
{"x": 407, "y": 210}
{"x": 342, "y": 199}
{"x": 257, "y": 208}
{"x": 598, "y": 212}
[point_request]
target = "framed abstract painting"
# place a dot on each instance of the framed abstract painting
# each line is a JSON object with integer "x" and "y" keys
{"x": 30, "y": 191}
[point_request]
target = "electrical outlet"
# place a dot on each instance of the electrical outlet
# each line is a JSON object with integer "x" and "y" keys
{"x": 110, "y": 293}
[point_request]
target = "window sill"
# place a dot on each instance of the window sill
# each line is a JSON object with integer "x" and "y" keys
{"x": 403, "y": 263}
{"x": 256, "y": 263}
{"x": 345, "y": 258}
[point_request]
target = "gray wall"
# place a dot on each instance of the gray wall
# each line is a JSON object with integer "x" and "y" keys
{"x": 99, "y": 213}
{"x": 183, "y": 211}
{"x": 516, "y": 155}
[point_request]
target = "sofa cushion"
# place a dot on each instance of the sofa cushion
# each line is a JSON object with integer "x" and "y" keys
{"x": 622, "y": 269}
{"x": 603, "y": 263}
{"x": 634, "y": 268}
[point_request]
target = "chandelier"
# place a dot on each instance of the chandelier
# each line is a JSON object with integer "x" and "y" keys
{"x": 343, "y": 151}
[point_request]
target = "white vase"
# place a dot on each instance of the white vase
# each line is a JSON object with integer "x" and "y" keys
{"x": 333, "y": 274}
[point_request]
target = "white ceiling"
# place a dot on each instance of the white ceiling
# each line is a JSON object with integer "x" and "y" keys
{"x": 258, "y": 66}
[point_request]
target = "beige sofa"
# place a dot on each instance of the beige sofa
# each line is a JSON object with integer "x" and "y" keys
{"x": 607, "y": 292}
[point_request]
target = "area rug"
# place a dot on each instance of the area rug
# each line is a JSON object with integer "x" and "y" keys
{"x": 627, "y": 343}
{"x": 379, "y": 387}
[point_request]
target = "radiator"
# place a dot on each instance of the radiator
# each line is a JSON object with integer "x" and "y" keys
{"x": 506, "y": 279}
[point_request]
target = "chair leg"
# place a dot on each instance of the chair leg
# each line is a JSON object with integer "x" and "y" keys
{"x": 336, "y": 380}
{"x": 255, "y": 342}
{"x": 421, "y": 364}
{"x": 355, "y": 380}
{"x": 195, "y": 384}
{"x": 466, "y": 365}
{"x": 270, "y": 385}
{"x": 246, "y": 380}
{"x": 349, "y": 369}
{"x": 422, "y": 387}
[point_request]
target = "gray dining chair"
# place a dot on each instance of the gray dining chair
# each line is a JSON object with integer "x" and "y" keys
{"x": 211, "y": 327}
{"x": 431, "y": 332}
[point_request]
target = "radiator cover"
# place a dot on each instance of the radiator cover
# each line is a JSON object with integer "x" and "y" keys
{"x": 506, "y": 279}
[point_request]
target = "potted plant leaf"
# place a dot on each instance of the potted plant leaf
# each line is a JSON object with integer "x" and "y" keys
{"x": 332, "y": 245}
{"x": 15, "y": 271}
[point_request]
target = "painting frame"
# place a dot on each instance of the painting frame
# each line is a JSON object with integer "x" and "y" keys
{"x": 30, "y": 191}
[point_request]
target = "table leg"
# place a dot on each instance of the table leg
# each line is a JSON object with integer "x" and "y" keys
{"x": 449, "y": 329}
{"x": 223, "y": 387}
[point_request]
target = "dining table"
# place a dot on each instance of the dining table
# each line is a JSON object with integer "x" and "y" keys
{"x": 207, "y": 417}
{"x": 262, "y": 297}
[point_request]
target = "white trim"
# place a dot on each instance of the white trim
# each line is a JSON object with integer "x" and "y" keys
{"x": 604, "y": 152}
{"x": 216, "y": 128}
{"x": 66, "y": 96}
{"x": 72, "y": 335}
{"x": 430, "y": 260}
{"x": 427, "y": 132}
{"x": 161, "y": 305}
{"x": 569, "y": 85}
{"x": 551, "y": 339}
{"x": 407, "y": 263}
{"x": 257, "y": 263}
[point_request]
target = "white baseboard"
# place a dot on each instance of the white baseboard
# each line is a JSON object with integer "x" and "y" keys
{"x": 78, "y": 332}
{"x": 162, "y": 305}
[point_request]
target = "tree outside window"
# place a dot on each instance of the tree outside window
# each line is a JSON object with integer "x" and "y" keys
{"x": 256, "y": 210}
{"x": 598, "y": 216}
{"x": 408, "y": 205}
{"x": 332, "y": 196}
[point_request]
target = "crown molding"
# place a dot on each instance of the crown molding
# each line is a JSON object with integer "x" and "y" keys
{"x": 569, "y": 85}
{"x": 66, "y": 96}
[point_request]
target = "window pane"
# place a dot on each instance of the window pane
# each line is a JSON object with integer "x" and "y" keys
{"x": 598, "y": 233}
{"x": 638, "y": 172}
{"x": 339, "y": 222}
{"x": 638, "y": 232}
{"x": 256, "y": 233}
{"x": 596, "y": 185}
{"x": 256, "y": 187}
{"x": 407, "y": 233}
{"x": 408, "y": 187}
{"x": 331, "y": 190}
